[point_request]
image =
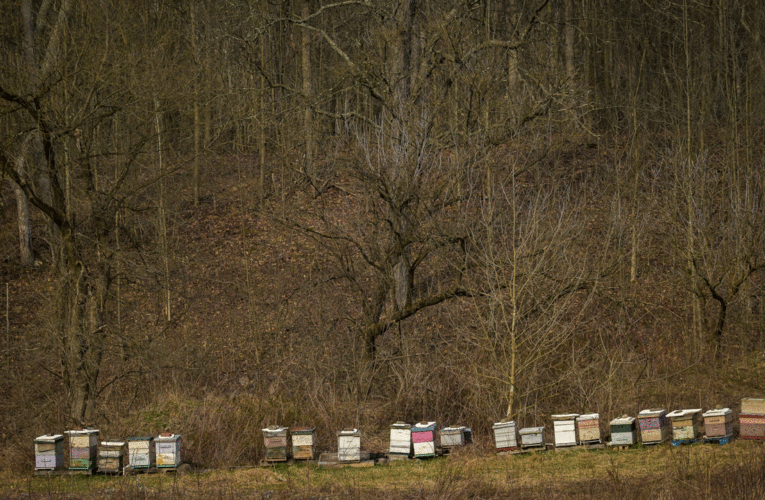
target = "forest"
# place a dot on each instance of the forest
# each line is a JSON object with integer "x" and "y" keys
{"x": 218, "y": 216}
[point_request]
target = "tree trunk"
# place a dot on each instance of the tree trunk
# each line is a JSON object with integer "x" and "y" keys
{"x": 25, "y": 230}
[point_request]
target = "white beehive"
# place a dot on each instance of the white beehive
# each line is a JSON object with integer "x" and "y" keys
{"x": 504, "y": 436}
{"x": 303, "y": 439}
{"x": 532, "y": 437}
{"x": 349, "y": 445}
{"x": 49, "y": 452}
{"x": 623, "y": 431}
{"x": 564, "y": 426}
{"x": 400, "y": 439}
{"x": 110, "y": 456}
{"x": 141, "y": 452}
{"x": 718, "y": 423}
{"x": 455, "y": 436}
{"x": 167, "y": 447}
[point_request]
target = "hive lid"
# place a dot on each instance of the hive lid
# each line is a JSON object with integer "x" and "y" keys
{"x": 453, "y": 428}
{"x": 349, "y": 432}
{"x": 165, "y": 436}
{"x": 400, "y": 425}
{"x": 565, "y": 416}
{"x": 623, "y": 421}
{"x": 49, "y": 438}
{"x": 683, "y": 413}
{"x": 532, "y": 430}
{"x": 719, "y": 412}
{"x": 275, "y": 428}
{"x": 503, "y": 424}
{"x": 303, "y": 430}
{"x": 141, "y": 438}
{"x": 79, "y": 432}
{"x": 589, "y": 416}
{"x": 428, "y": 426}
{"x": 651, "y": 413}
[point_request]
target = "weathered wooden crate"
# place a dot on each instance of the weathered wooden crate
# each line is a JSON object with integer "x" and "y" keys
{"x": 424, "y": 439}
{"x": 276, "y": 439}
{"x": 455, "y": 436}
{"x": 110, "y": 456}
{"x": 686, "y": 424}
{"x": 564, "y": 426}
{"x": 505, "y": 438}
{"x": 752, "y": 426}
{"x": 718, "y": 422}
{"x": 349, "y": 445}
{"x": 532, "y": 437}
{"x": 654, "y": 426}
{"x": 83, "y": 447}
{"x": 753, "y": 406}
{"x": 401, "y": 440}
{"x": 49, "y": 452}
{"x": 141, "y": 452}
{"x": 623, "y": 431}
{"x": 167, "y": 448}
{"x": 588, "y": 426}
{"x": 303, "y": 439}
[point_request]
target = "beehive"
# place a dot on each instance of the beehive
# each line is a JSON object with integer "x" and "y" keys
{"x": 49, "y": 452}
{"x": 564, "y": 426}
{"x": 276, "y": 440}
{"x": 589, "y": 428}
{"x": 718, "y": 423}
{"x": 167, "y": 448}
{"x": 303, "y": 439}
{"x": 753, "y": 406}
{"x": 752, "y": 426}
{"x": 400, "y": 440}
{"x": 110, "y": 456}
{"x": 686, "y": 424}
{"x": 654, "y": 427}
{"x": 455, "y": 436}
{"x": 349, "y": 445}
{"x": 623, "y": 431}
{"x": 504, "y": 436}
{"x": 83, "y": 447}
{"x": 141, "y": 452}
{"x": 532, "y": 437}
{"x": 424, "y": 439}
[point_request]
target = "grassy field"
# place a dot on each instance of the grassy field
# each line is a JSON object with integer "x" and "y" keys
{"x": 736, "y": 470}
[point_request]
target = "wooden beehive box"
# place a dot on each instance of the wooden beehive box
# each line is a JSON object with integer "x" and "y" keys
{"x": 349, "y": 445}
{"x": 276, "y": 439}
{"x": 424, "y": 439}
{"x": 141, "y": 452}
{"x": 400, "y": 440}
{"x": 111, "y": 456}
{"x": 753, "y": 406}
{"x": 564, "y": 426}
{"x": 623, "y": 431}
{"x": 505, "y": 436}
{"x": 83, "y": 447}
{"x": 532, "y": 437}
{"x": 752, "y": 426}
{"x": 167, "y": 449}
{"x": 718, "y": 423}
{"x": 654, "y": 426}
{"x": 303, "y": 440}
{"x": 589, "y": 428}
{"x": 49, "y": 452}
{"x": 455, "y": 436}
{"x": 686, "y": 424}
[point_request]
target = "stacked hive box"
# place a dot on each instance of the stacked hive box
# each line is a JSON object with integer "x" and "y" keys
{"x": 718, "y": 423}
{"x": 565, "y": 429}
{"x": 623, "y": 431}
{"x": 455, "y": 436}
{"x": 504, "y": 436}
{"x": 532, "y": 437}
{"x": 400, "y": 440}
{"x": 168, "y": 450}
{"x": 589, "y": 428}
{"x": 141, "y": 452}
{"x": 349, "y": 445}
{"x": 277, "y": 448}
{"x": 752, "y": 419}
{"x": 686, "y": 424}
{"x": 49, "y": 452}
{"x": 424, "y": 439}
{"x": 110, "y": 456}
{"x": 654, "y": 427}
{"x": 303, "y": 439}
{"x": 83, "y": 446}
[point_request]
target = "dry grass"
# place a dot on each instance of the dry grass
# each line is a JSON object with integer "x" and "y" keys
{"x": 702, "y": 471}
